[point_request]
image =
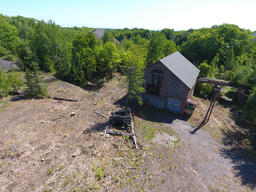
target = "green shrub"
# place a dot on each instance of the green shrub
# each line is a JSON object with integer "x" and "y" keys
{"x": 99, "y": 174}
{"x": 33, "y": 87}
{"x": 4, "y": 86}
{"x": 14, "y": 81}
{"x": 203, "y": 90}
{"x": 250, "y": 106}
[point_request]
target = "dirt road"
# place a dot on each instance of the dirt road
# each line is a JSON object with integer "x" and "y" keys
{"x": 207, "y": 166}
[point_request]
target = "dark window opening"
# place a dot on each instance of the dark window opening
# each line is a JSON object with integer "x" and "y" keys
{"x": 156, "y": 83}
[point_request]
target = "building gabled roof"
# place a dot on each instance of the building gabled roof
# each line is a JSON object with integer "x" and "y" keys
{"x": 99, "y": 33}
{"x": 181, "y": 68}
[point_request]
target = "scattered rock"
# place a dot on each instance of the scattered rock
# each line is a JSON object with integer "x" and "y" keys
{"x": 74, "y": 155}
{"x": 107, "y": 135}
{"x": 72, "y": 114}
{"x": 101, "y": 134}
{"x": 42, "y": 160}
{"x": 173, "y": 139}
{"x": 58, "y": 144}
{"x": 165, "y": 139}
{"x": 95, "y": 103}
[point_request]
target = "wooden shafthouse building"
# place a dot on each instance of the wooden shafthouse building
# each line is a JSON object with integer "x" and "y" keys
{"x": 170, "y": 83}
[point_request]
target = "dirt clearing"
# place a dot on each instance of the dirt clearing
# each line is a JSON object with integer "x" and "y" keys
{"x": 51, "y": 145}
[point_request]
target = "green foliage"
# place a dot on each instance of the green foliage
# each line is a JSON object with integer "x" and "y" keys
{"x": 224, "y": 51}
{"x": 108, "y": 36}
{"x": 108, "y": 59}
{"x": 9, "y": 40}
{"x": 203, "y": 89}
{"x": 204, "y": 69}
{"x": 99, "y": 174}
{"x": 169, "y": 34}
{"x": 159, "y": 47}
{"x": 134, "y": 67}
{"x": 14, "y": 81}
{"x": 4, "y": 87}
{"x": 33, "y": 87}
{"x": 50, "y": 171}
{"x": 25, "y": 54}
{"x": 83, "y": 59}
{"x": 9, "y": 83}
{"x": 251, "y": 106}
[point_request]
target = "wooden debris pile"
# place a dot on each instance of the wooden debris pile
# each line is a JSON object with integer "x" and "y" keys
{"x": 121, "y": 123}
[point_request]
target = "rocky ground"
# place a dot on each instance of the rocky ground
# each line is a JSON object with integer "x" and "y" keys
{"x": 55, "y": 145}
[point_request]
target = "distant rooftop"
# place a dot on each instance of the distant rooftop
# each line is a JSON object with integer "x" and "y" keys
{"x": 6, "y": 65}
{"x": 99, "y": 32}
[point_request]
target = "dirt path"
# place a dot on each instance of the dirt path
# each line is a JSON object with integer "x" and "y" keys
{"x": 208, "y": 166}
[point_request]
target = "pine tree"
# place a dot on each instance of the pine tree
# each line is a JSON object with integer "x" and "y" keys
{"x": 33, "y": 80}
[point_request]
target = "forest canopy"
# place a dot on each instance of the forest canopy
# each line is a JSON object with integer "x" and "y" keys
{"x": 76, "y": 55}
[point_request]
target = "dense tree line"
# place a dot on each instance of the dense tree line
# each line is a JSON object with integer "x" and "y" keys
{"x": 75, "y": 55}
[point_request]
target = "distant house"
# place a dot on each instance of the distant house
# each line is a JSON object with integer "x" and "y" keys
{"x": 6, "y": 65}
{"x": 170, "y": 82}
{"x": 99, "y": 32}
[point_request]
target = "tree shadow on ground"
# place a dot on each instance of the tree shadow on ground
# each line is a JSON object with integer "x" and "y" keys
{"x": 98, "y": 127}
{"x": 245, "y": 169}
{"x": 148, "y": 112}
{"x": 18, "y": 98}
{"x": 240, "y": 145}
{"x": 91, "y": 87}
{"x": 51, "y": 79}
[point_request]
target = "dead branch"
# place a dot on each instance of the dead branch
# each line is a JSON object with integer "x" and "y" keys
{"x": 98, "y": 113}
{"x": 128, "y": 167}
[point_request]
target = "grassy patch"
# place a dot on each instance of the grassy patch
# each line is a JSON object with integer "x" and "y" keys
{"x": 166, "y": 129}
{"x": 94, "y": 187}
{"x": 50, "y": 171}
{"x": 4, "y": 104}
{"x": 216, "y": 132}
{"x": 148, "y": 129}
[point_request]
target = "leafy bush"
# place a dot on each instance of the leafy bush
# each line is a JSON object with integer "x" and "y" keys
{"x": 33, "y": 87}
{"x": 250, "y": 106}
{"x": 9, "y": 83}
{"x": 203, "y": 89}
{"x": 14, "y": 81}
{"x": 4, "y": 87}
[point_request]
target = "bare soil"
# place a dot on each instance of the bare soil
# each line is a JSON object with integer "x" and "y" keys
{"x": 50, "y": 145}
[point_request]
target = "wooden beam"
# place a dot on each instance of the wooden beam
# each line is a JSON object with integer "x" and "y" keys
{"x": 98, "y": 113}
{"x": 134, "y": 137}
{"x": 221, "y": 82}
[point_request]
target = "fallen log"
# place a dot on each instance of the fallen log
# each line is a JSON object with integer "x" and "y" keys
{"x": 64, "y": 99}
{"x": 115, "y": 132}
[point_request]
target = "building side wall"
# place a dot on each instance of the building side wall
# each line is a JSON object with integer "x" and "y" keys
{"x": 171, "y": 85}
{"x": 172, "y": 88}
